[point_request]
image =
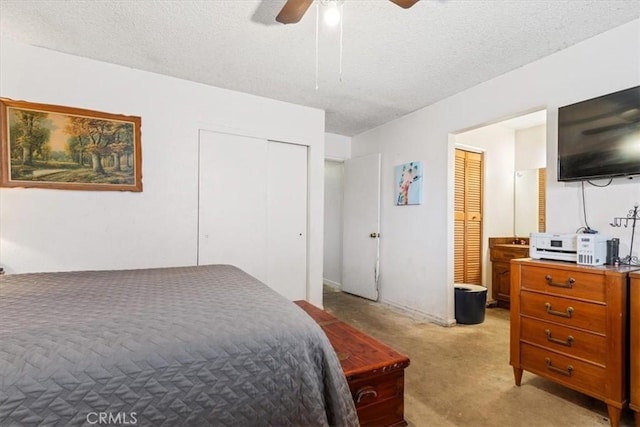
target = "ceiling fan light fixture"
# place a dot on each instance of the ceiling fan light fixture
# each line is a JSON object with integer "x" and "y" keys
{"x": 293, "y": 10}
{"x": 332, "y": 14}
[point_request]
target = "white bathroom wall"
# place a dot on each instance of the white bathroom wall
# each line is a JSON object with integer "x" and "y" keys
{"x": 531, "y": 148}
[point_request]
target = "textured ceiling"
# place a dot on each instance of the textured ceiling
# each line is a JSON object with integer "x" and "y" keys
{"x": 394, "y": 61}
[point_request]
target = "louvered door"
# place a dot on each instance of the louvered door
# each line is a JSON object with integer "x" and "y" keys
{"x": 459, "y": 222}
{"x": 542, "y": 188}
{"x": 468, "y": 218}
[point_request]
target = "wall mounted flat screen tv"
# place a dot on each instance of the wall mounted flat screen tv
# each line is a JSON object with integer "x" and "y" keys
{"x": 600, "y": 137}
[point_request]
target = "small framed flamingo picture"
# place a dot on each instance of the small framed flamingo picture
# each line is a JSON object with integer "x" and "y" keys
{"x": 408, "y": 183}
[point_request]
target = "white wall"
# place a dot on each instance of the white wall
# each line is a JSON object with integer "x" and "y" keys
{"x": 53, "y": 230}
{"x": 531, "y": 148}
{"x": 337, "y": 147}
{"x": 416, "y": 269}
{"x": 497, "y": 145}
{"x": 333, "y": 218}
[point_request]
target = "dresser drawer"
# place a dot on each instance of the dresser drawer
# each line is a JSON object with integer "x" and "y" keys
{"x": 568, "y": 312}
{"x": 576, "y": 284}
{"x": 634, "y": 331}
{"x": 572, "y": 342}
{"x": 501, "y": 253}
{"x": 565, "y": 370}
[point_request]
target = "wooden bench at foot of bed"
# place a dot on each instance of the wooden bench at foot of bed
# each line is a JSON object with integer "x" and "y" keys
{"x": 374, "y": 371}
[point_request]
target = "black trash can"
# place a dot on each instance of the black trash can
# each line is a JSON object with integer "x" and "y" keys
{"x": 470, "y": 302}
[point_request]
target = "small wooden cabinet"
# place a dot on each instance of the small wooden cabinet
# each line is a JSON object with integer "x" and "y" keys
{"x": 374, "y": 371}
{"x": 634, "y": 355}
{"x": 569, "y": 325}
{"x": 501, "y": 251}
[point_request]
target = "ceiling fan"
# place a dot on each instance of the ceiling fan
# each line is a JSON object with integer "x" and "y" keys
{"x": 294, "y": 10}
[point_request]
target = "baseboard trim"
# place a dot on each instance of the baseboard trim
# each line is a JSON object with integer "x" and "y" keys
{"x": 332, "y": 284}
{"x": 417, "y": 315}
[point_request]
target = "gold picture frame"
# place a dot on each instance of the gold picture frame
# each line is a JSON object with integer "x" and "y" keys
{"x": 56, "y": 147}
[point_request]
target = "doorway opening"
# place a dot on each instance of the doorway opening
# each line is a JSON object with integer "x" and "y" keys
{"x": 333, "y": 223}
{"x": 513, "y": 196}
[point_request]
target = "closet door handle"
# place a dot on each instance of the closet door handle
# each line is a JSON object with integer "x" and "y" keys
{"x": 568, "y": 313}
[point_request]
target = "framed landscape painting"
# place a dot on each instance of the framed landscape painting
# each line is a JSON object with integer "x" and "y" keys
{"x": 50, "y": 146}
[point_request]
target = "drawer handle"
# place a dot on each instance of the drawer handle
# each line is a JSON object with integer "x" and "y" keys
{"x": 566, "y": 343}
{"x": 367, "y": 391}
{"x": 568, "y": 313}
{"x": 568, "y": 285}
{"x": 566, "y": 372}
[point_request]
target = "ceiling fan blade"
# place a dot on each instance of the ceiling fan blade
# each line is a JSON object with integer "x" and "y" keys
{"x": 406, "y": 4}
{"x": 293, "y": 11}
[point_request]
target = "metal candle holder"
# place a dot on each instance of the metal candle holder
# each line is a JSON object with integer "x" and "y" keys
{"x": 632, "y": 217}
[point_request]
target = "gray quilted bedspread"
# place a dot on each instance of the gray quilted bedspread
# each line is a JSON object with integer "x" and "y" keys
{"x": 193, "y": 346}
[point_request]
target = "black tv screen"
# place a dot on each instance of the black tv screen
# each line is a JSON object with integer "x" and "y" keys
{"x": 600, "y": 137}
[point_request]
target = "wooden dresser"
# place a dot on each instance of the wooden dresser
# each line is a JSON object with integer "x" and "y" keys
{"x": 501, "y": 251}
{"x": 634, "y": 354}
{"x": 374, "y": 371}
{"x": 569, "y": 324}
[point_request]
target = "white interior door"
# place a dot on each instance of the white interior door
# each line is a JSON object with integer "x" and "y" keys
{"x": 287, "y": 219}
{"x": 233, "y": 202}
{"x": 361, "y": 234}
{"x": 253, "y": 209}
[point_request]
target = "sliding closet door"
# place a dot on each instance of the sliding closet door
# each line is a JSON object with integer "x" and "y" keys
{"x": 233, "y": 202}
{"x": 253, "y": 209}
{"x": 287, "y": 219}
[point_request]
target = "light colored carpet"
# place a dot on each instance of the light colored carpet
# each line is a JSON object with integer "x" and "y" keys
{"x": 460, "y": 376}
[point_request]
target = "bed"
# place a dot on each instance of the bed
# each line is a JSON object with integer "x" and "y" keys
{"x": 194, "y": 346}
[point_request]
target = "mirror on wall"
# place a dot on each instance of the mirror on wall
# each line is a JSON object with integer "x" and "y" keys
{"x": 529, "y": 201}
